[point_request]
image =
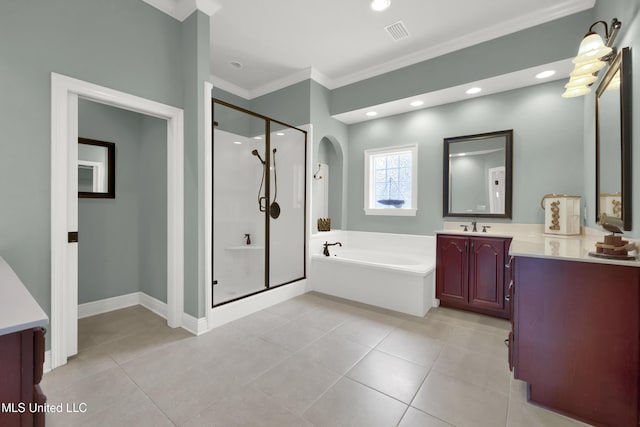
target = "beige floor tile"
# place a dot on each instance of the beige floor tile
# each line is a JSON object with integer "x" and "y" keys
{"x": 293, "y": 337}
{"x": 293, "y": 308}
{"x": 412, "y": 345}
{"x": 461, "y": 403}
{"x": 469, "y": 319}
{"x": 182, "y": 395}
{"x": 88, "y": 362}
{"x": 325, "y": 318}
{"x": 103, "y": 390}
{"x": 252, "y": 358}
{"x": 296, "y": 383}
{"x": 135, "y": 345}
{"x": 527, "y": 415}
{"x": 490, "y": 344}
{"x": 416, "y": 418}
{"x": 259, "y": 323}
{"x": 335, "y": 353}
{"x": 246, "y": 407}
{"x": 163, "y": 364}
{"x": 390, "y": 375}
{"x": 476, "y": 368}
{"x": 517, "y": 390}
{"x": 138, "y": 411}
{"x": 363, "y": 331}
{"x": 349, "y": 403}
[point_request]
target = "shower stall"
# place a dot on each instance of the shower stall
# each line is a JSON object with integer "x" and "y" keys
{"x": 259, "y": 203}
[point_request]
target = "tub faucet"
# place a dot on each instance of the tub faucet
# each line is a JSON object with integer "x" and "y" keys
{"x": 474, "y": 225}
{"x": 326, "y": 245}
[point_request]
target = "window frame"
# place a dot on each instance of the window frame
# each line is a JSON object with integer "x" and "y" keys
{"x": 369, "y": 183}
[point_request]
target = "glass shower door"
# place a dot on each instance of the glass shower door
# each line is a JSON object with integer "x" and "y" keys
{"x": 239, "y": 214}
{"x": 288, "y": 204}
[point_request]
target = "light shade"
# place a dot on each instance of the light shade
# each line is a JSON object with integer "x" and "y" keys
{"x": 581, "y": 81}
{"x": 576, "y": 91}
{"x": 592, "y": 47}
{"x": 586, "y": 68}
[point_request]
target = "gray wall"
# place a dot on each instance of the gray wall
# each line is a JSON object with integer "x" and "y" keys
{"x": 547, "y": 152}
{"x": 627, "y": 11}
{"x": 123, "y": 241}
{"x": 108, "y": 247}
{"x": 122, "y": 44}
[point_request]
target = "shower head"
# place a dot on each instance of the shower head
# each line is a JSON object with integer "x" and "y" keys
{"x": 255, "y": 153}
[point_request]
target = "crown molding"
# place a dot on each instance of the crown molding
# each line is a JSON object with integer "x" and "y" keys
{"x": 182, "y": 9}
{"x": 230, "y": 87}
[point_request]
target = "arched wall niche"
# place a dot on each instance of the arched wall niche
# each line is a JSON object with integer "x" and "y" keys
{"x": 327, "y": 192}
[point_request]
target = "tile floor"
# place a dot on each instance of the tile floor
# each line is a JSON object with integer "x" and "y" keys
{"x": 310, "y": 361}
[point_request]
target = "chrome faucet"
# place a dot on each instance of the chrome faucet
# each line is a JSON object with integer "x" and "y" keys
{"x": 326, "y": 245}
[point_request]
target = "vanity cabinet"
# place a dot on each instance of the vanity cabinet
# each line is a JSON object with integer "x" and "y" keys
{"x": 471, "y": 273}
{"x": 21, "y": 361}
{"x": 575, "y": 337}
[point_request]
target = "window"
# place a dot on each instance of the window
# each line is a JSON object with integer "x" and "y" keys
{"x": 390, "y": 181}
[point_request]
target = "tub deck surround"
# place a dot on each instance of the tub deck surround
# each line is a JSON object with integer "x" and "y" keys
{"x": 392, "y": 271}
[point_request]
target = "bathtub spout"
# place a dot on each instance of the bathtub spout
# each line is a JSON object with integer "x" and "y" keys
{"x": 326, "y": 245}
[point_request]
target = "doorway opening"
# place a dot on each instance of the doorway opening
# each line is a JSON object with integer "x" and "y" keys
{"x": 65, "y": 93}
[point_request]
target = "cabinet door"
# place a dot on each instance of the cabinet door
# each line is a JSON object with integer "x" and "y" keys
{"x": 451, "y": 268}
{"x": 486, "y": 273}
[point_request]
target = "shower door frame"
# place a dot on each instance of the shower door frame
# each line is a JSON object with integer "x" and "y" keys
{"x": 267, "y": 245}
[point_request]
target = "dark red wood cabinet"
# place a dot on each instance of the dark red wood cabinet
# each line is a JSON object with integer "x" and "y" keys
{"x": 575, "y": 338}
{"x": 21, "y": 363}
{"x": 471, "y": 273}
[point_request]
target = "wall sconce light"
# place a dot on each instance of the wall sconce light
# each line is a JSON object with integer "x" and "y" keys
{"x": 592, "y": 54}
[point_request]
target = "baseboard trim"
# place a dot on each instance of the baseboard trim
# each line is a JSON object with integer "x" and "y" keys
{"x": 108, "y": 304}
{"x": 196, "y": 326}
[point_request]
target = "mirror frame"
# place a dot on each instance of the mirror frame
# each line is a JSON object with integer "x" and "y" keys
{"x": 621, "y": 62}
{"x": 508, "y": 135}
{"x": 111, "y": 170}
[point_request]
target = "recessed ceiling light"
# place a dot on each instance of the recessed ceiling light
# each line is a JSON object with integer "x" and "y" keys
{"x": 380, "y": 5}
{"x": 237, "y": 142}
{"x": 474, "y": 90}
{"x": 545, "y": 74}
{"x": 372, "y": 113}
{"x": 236, "y": 64}
{"x": 280, "y": 133}
{"x": 257, "y": 137}
{"x": 416, "y": 103}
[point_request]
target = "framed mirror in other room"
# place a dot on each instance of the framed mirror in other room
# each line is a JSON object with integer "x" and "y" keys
{"x": 96, "y": 169}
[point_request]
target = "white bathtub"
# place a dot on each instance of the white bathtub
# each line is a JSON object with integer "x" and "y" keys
{"x": 392, "y": 271}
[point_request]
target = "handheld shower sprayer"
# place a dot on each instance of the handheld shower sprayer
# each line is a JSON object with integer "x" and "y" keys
{"x": 255, "y": 153}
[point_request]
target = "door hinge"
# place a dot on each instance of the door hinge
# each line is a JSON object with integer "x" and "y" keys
{"x": 72, "y": 237}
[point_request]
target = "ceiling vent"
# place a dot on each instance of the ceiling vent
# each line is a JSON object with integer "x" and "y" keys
{"x": 397, "y": 31}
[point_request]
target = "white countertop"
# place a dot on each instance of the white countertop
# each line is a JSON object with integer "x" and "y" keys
{"x": 529, "y": 240}
{"x": 18, "y": 309}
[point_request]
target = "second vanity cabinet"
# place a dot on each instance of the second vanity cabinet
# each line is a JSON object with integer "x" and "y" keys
{"x": 471, "y": 273}
{"x": 575, "y": 338}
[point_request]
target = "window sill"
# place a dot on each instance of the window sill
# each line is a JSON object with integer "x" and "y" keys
{"x": 391, "y": 212}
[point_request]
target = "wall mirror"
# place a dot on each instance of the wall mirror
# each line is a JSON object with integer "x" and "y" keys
{"x": 613, "y": 141}
{"x": 96, "y": 169}
{"x": 477, "y": 178}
